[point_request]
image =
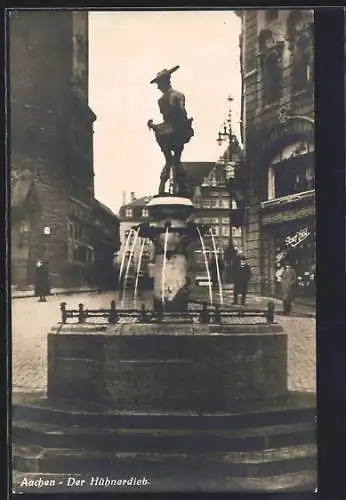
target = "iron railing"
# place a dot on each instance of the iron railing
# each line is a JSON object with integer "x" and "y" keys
{"x": 205, "y": 315}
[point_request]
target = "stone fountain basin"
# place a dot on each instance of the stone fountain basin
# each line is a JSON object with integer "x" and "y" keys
{"x": 186, "y": 367}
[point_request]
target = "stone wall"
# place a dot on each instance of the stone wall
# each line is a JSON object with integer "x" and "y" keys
{"x": 169, "y": 371}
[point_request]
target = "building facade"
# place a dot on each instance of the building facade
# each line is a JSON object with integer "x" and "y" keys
{"x": 278, "y": 130}
{"x": 51, "y": 145}
{"x": 135, "y": 253}
{"x": 105, "y": 231}
{"x": 211, "y": 199}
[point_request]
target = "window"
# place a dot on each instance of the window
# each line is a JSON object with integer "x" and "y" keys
{"x": 128, "y": 212}
{"x": 225, "y": 220}
{"x": 271, "y": 66}
{"x": 225, "y": 203}
{"x": 236, "y": 232}
{"x": 80, "y": 253}
{"x": 302, "y": 64}
{"x": 271, "y": 74}
{"x": 300, "y": 35}
{"x": 206, "y": 203}
{"x": 291, "y": 176}
{"x": 145, "y": 260}
{"x": 145, "y": 212}
{"x": 214, "y": 203}
{"x": 215, "y": 230}
{"x": 215, "y": 220}
{"x": 225, "y": 230}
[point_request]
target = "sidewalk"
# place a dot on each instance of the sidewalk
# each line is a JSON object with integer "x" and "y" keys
{"x": 299, "y": 308}
{"x": 22, "y": 294}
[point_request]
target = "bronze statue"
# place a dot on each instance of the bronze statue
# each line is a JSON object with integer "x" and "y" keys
{"x": 173, "y": 133}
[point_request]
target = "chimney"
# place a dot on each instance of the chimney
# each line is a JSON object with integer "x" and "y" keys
{"x": 124, "y": 198}
{"x": 132, "y": 196}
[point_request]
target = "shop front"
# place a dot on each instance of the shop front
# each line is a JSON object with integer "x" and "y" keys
{"x": 295, "y": 243}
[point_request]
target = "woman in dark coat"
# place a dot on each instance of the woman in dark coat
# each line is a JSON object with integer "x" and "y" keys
{"x": 42, "y": 287}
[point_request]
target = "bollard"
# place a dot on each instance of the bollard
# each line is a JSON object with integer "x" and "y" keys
{"x": 217, "y": 315}
{"x": 143, "y": 317}
{"x": 63, "y": 312}
{"x": 81, "y": 315}
{"x": 204, "y": 316}
{"x": 270, "y": 312}
{"x": 113, "y": 314}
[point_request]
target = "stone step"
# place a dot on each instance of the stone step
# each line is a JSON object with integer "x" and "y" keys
{"x": 163, "y": 440}
{"x": 58, "y": 483}
{"x": 298, "y": 407}
{"x": 237, "y": 464}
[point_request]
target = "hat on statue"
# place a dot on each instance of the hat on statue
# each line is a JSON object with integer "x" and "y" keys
{"x": 165, "y": 73}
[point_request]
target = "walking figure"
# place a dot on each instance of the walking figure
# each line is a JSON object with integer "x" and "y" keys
{"x": 42, "y": 287}
{"x": 242, "y": 275}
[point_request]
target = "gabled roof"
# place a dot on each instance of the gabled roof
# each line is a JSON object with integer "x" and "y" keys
{"x": 104, "y": 207}
{"x": 20, "y": 188}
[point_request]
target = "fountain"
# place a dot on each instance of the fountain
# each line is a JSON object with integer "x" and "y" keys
{"x": 137, "y": 389}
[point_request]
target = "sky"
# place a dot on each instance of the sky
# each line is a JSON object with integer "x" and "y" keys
{"x": 126, "y": 51}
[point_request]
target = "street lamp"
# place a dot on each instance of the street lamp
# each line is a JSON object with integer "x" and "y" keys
{"x": 230, "y": 165}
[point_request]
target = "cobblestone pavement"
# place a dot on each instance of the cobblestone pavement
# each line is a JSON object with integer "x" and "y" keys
{"x": 31, "y": 321}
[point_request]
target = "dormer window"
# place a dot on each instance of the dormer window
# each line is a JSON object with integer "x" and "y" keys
{"x": 145, "y": 212}
{"x": 128, "y": 212}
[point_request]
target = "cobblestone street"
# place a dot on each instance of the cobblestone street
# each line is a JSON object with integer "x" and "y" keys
{"x": 32, "y": 320}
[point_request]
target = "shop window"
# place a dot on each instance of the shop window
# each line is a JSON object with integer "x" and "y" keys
{"x": 298, "y": 247}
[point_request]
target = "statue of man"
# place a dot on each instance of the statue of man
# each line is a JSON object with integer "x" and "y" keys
{"x": 174, "y": 132}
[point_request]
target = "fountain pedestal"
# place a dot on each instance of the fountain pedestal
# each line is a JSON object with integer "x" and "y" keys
{"x": 170, "y": 234}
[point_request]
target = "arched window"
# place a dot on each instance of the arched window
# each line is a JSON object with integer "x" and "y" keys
{"x": 270, "y": 53}
{"x": 300, "y": 35}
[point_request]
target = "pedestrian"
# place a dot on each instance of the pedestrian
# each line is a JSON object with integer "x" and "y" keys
{"x": 288, "y": 287}
{"x": 242, "y": 275}
{"x": 42, "y": 287}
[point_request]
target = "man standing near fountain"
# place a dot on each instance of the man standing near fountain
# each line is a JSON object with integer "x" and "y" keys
{"x": 174, "y": 132}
